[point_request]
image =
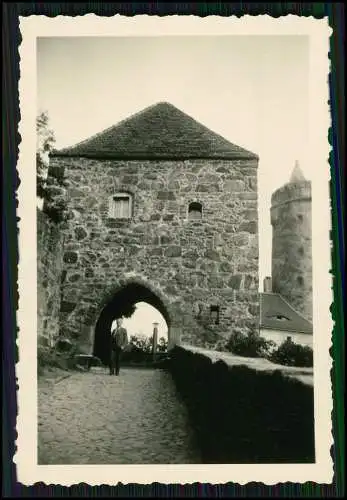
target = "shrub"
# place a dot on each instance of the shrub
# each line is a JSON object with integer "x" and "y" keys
{"x": 251, "y": 345}
{"x": 291, "y": 354}
{"x": 62, "y": 355}
{"x": 49, "y": 358}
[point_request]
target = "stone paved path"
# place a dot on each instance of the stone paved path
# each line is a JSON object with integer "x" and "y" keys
{"x": 93, "y": 418}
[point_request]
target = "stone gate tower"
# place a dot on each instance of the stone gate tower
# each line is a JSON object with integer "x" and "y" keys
{"x": 161, "y": 210}
{"x": 292, "y": 242}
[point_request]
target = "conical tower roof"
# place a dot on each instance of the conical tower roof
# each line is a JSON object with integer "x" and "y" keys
{"x": 296, "y": 188}
{"x": 297, "y": 174}
{"x": 159, "y": 131}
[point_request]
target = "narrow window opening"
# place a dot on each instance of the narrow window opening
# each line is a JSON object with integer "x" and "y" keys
{"x": 195, "y": 211}
{"x": 300, "y": 280}
{"x": 214, "y": 314}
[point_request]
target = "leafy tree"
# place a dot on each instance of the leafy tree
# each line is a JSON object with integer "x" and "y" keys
{"x": 141, "y": 343}
{"x": 128, "y": 310}
{"x": 50, "y": 181}
{"x": 138, "y": 342}
{"x": 44, "y": 145}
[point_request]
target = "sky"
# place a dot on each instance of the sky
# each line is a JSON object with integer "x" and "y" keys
{"x": 141, "y": 322}
{"x": 253, "y": 90}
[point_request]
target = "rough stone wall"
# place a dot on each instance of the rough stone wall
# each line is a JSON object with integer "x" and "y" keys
{"x": 241, "y": 414}
{"x": 207, "y": 262}
{"x": 291, "y": 219}
{"x": 49, "y": 270}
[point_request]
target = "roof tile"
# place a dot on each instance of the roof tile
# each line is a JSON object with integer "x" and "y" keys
{"x": 273, "y": 307}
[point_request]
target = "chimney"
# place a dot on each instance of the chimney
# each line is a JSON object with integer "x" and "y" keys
{"x": 268, "y": 284}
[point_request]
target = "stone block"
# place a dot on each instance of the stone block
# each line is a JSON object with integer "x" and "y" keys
{"x": 234, "y": 186}
{"x": 166, "y": 195}
{"x": 225, "y": 267}
{"x": 203, "y": 188}
{"x": 174, "y": 185}
{"x": 74, "y": 277}
{"x": 249, "y": 227}
{"x": 89, "y": 273}
{"x": 235, "y": 281}
{"x": 214, "y": 281}
{"x": 80, "y": 233}
{"x": 209, "y": 179}
{"x": 75, "y": 193}
{"x": 144, "y": 185}
{"x": 67, "y": 307}
{"x": 189, "y": 263}
{"x": 157, "y": 186}
{"x": 170, "y": 289}
{"x": 168, "y": 217}
{"x": 212, "y": 255}
{"x": 241, "y": 240}
{"x": 156, "y": 216}
{"x": 134, "y": 250}
{"x": 229, "y": 228}
{"x": 155, "y": 251}
{"x": 253, "y": 183}
{"x": 70, "y": 257}
{"x": 129, "y": 180}
{"x": 165, "y": 239}
{"x": 250, "y": 215}
{"x": 248, "y": 282}
{"x": 173, "y": 251}
{"x": 248, "y": 196}
{"x": 109, "y": 222}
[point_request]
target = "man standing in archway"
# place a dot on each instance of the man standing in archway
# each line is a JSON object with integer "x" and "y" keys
{"x": 119, "y": 339}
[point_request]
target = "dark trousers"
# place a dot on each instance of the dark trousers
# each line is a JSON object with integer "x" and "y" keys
{"x": 116, "y": 355}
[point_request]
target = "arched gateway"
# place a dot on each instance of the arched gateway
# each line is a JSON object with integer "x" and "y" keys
{"x": 163, "y": 210}
{"x": 117, "y": 302}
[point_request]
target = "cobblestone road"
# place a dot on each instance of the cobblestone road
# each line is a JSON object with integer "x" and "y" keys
{"x": 93, "y": 418}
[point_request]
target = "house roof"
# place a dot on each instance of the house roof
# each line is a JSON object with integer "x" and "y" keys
{"x": 158, "y": 131}
{"x": 277, "y": 314}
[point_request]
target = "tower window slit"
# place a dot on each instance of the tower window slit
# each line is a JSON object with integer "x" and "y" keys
{"x": 195, "y": 211}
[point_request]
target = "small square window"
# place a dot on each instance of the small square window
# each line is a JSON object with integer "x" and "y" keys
{"x": 120, "y": 206}
{"x": 195, "y": 211}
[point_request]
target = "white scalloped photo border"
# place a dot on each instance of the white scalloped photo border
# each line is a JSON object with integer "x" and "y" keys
{"x": 26, "y": 369}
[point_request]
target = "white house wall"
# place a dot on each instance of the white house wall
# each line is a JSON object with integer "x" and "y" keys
{"x": 279, "y": 336}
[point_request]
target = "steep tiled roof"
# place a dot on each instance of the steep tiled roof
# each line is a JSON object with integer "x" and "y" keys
{"x": 159, "y": 131}
{"x": 277, "y": 314}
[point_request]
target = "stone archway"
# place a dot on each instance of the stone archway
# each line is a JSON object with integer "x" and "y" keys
{"x": 118, "y": 300}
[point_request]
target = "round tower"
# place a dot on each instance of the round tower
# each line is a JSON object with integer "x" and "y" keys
{"x": 292, "y": 242}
